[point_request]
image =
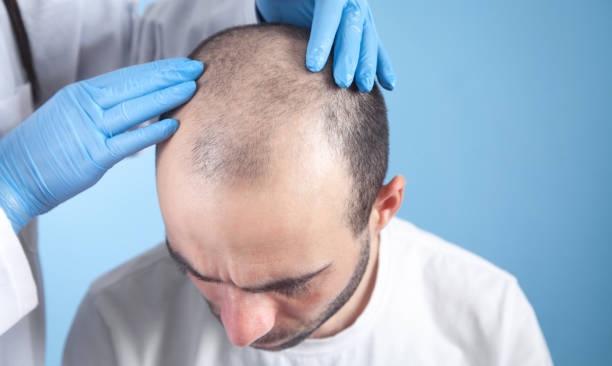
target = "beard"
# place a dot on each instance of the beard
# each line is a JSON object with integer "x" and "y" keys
{"x": 293, "y": 337}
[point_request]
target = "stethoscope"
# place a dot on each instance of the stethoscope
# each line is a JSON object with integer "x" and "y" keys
{"x": 21, "y": 36}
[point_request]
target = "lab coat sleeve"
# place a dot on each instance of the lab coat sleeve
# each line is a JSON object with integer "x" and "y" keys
{"x": 89, "y": 342}
{"x": 522, "y": 341}
{"x": 17, "y": 287}
{"x": 77, "y": 39}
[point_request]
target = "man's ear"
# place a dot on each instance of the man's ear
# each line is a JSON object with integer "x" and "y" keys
{"x": 387, "y": 203}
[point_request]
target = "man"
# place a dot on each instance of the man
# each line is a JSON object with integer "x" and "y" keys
{"x": 275, "y": 210}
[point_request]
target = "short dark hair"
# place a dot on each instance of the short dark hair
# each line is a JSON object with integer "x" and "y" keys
{"x": 261, "y": 67}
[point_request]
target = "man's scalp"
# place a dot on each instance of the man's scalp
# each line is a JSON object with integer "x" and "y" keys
{"x": 255, "y": 82}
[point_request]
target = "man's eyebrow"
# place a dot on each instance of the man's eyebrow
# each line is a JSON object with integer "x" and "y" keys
{"x": 182, "y": 262}
{"x": 275, "y": 285}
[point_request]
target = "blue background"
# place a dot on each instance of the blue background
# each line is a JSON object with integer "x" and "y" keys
{"x": 501, "y": 123}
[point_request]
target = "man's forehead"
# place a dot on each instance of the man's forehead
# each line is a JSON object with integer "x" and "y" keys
{"x": 242, "y": 231}
{"x": 255, "y": 227}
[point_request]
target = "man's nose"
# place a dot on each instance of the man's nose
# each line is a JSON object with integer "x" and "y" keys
{"x": 246, "y": 316}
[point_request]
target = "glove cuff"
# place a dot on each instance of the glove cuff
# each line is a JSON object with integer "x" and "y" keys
{"x": 260, "y": 18}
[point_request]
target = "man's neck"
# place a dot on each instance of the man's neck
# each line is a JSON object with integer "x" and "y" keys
{"x": 353, "y": 308}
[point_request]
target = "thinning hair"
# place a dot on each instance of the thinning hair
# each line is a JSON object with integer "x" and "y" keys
{"x": 255, "y": 82}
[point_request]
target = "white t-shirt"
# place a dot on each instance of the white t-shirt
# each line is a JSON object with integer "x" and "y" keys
{"x": 433, "y": 304}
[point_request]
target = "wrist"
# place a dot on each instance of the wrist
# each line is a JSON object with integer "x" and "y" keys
{"x": 13, "y": 206}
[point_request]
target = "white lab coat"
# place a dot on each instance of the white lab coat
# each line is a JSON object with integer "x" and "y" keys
{"x": 73, "y": 40}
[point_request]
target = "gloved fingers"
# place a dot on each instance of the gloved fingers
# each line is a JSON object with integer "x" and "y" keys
{"x": 130, "y": 142}
{"x": 110, "y": 89}
{"x": 386, "y": 76}
{"x": 325, "y": 21}
{"x": 348, "y": 44}
{"x": 368, "y": 55}
{"x": 135, "y": 111}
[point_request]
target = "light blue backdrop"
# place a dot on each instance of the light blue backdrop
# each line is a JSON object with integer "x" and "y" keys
{"x": 501, "y": 123}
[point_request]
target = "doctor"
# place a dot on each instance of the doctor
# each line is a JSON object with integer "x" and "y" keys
{"x": 82, "y": 130}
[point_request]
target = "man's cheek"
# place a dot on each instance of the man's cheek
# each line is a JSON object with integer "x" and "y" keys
{"x": 311, "y": 304}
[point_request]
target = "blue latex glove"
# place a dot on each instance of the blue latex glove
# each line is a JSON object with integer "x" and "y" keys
{"x": 358, "y": 53}
{"x": 75, "y": 137}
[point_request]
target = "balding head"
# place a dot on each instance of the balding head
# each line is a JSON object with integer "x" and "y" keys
{"x": 267, "y": 188}
{"x": 257, "y": 106}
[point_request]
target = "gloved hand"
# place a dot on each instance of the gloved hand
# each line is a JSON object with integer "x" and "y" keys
{"x": 75, "y": 137}
{"x": 358, "y": 52}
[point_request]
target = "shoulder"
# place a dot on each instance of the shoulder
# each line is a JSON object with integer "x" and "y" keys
{"x": 470, "y": 303}
{"x": 138, "y": 271}
{"x": 458, "y": 287}
{"x": 439, "y": 260}
{"x": 147, "y": 286}
{"x": 140, "y": 301}
{"x": 131, "y": 310}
